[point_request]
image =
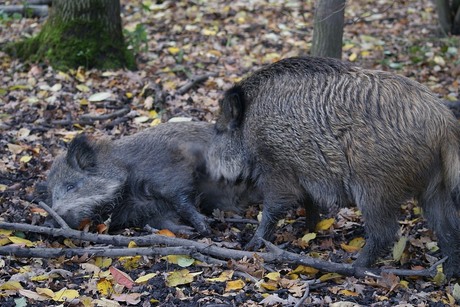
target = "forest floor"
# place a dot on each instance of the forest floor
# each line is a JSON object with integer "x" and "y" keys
{"x": 42, "y": 109}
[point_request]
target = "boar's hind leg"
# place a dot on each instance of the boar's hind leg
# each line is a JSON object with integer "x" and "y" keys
{"x": 442, "y": 216}
{"x": 311, "y": 211}
{"x": 188, "y": 211}
{"x": 381, "y": 226}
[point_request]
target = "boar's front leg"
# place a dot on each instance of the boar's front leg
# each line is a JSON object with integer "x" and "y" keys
{"x": 187, "y": 210}
{"x": 274, "y": 207}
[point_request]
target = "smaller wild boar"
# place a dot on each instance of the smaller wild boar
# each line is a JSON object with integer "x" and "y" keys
{"x": 334, "y": 134}
{"x": 156, "y": 177}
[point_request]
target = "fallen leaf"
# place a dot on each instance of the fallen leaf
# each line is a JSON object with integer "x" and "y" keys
{"x": 21, "y": 241}
{"x": 104, "y": 287}
{"x": 181, "y": 277}
{"x": 325, "y": 224}
{"x": 45, "y": 291}
{"x": 11, "y": 285}
{"x": 308, "y": 237}
{"x": 145, "y": 278}
{"x": 65, "y": 295}
{"x": 398, "y": 248}
{"x": 224, "y": 276}
{"x": 99, "y": 96}
{"x": 166, "y": 233}
{"x": 121, "y": 277}
{"x": 234, "y": 285}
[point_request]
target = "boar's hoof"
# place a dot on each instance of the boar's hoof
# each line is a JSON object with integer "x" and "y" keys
{"x": 256, "y": 243}
{"x": 182, "y": 229}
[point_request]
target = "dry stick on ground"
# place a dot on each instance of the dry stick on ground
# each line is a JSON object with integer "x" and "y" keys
{"x": 56, "y": 216}
{"x": 89, "y": 119}
{"x": 274, "y": 253}
{"x": 194, "y": 81}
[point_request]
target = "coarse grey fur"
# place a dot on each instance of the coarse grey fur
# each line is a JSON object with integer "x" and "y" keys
{"x": 321, "y": 129}
{"x": 156, "y": 177}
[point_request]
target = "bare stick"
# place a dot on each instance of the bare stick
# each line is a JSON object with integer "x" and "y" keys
{"x": 55, "y": 216}
{"x": 274, "y": 254}
{"x": 304, "y": 296}
{"x": 115, "y": 114}
{"x": 194, "y": 81}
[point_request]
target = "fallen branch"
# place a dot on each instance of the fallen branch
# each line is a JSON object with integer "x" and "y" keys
{"x": 274, "y": 253}
{"x": 194, "y": 81}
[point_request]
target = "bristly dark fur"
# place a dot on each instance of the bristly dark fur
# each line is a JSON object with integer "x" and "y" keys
{"x": 322, "y": 130}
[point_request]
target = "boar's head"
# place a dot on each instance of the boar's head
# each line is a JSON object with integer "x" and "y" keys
{"x": 83, "y": 182}
{"x": 227, "y": 156}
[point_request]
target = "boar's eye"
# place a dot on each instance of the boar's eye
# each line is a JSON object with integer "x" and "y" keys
{"x": 70, "y": 187}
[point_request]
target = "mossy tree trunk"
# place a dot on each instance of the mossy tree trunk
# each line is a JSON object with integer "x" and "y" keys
{"x": 328, "y": 28}
{"x": 79, "y": 33}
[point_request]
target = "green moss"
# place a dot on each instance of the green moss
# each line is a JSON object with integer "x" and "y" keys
{"x": 73, "y": 44}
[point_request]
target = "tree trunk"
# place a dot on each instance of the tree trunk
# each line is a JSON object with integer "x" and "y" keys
{"x": 80, "y": 33}
{"x": 449, "y": 16}
{"x": 328, "y": 28}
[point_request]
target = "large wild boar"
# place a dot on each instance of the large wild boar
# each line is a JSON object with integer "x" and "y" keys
{"x": 321, "y": 129}
{"x": 156, "y": 177}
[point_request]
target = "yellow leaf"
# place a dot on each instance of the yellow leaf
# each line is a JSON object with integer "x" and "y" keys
{"x": 40, "y": 277}
{"x": 352, "y": 57}
{"x": 11, "y": 285}
{"x": 84, "y": 102}
{"x": 69, "y": 243}
{"x": 129, "y": 95}
{"x": 181, "y": 260}
{"x": 308, "y": 237}
{"x": 173, "y": 50}
{"x": 82, "y": 88}
{"x": 233, "y": 285}
{"x": 270, "y": 286}
{"x": 155, "y": 122}
{"x": 153, "y": 114}
{"x": 348, "y": 293}
{"x": 65, "y": 295}
{"x": 329, "y": 276}
{"x": 271, "y": 57}
{"x": 145, "y": 278}
{"x": 104, "y": 287}
{"x": 45, "y": 291}
{"x": 5, "y": 232}
{"x": 4, "y": 241}
{"x": 365, "y": 53}
{"x": 21, "y": 241}
{"x": 25, "y": 159}
{"x": 132, "y": 244}
{"x": 209, "y": 32}
{"x": 305, "y": 270}
{"x": 347, "y": 47}
{"x": 3, "y": 187}
{"x": 181, "y": 277}
{"x": 398, "y": 248}
{"x": 439, "y": 60}
{"x": 404, "y": 284}
{"x": 349, "y": 248}
{"x": 224, "y": 276}
{"x": 273, "y": 276}
{"x": 325, "y": 224}
{"x": 130, "y": 263}
{"x": 103, "y": 262}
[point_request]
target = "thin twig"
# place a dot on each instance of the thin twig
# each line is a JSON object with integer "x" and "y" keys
{"x": 54, "y": 215}
{"x": 304, "y": 296}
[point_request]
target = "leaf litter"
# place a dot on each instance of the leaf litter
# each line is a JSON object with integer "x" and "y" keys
{"x": 42, "y": 109}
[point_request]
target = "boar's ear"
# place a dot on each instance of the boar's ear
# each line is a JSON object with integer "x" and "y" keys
{"x": 233, "y": 106}
{"x": 81, "y": 154}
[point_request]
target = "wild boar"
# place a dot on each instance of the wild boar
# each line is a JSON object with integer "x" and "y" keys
{"x": 156, "y": 177}
{"x": 320, "y": 129}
